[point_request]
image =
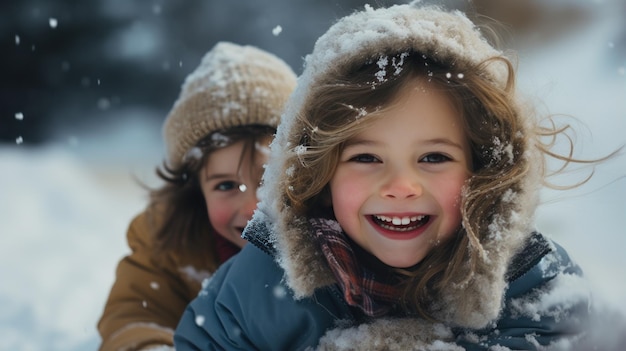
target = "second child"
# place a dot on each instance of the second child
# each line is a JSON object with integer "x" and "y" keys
{"x": 217, "y": 136}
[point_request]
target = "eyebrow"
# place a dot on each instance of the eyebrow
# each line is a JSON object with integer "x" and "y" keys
{"x": 357, "y": 142}
{"x": 444, "y": 141}
{"x": 435, "y": 141}
{"x": 220, "y": 176}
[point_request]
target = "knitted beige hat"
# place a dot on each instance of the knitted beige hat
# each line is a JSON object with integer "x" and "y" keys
{"x": 233, "y": 86}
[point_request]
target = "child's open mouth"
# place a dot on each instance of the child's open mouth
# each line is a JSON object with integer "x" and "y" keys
{"x": 400, "y": 223}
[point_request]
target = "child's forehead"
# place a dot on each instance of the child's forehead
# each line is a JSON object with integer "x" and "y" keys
{"x": 417, "y": 88}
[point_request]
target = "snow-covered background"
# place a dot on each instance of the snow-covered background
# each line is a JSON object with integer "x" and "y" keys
{"x": 65, "y": 205}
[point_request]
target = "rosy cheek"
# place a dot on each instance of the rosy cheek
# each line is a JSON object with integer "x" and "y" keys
{"x": 219, "y": 215}
{"x": 346, "y": 201}
{"x": 452, "y": 203}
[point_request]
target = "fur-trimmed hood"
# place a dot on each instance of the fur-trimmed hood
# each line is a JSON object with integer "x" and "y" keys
{"x": 364, "y": 36}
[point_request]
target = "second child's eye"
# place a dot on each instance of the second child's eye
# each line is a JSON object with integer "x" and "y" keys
{"x": 364, "y": 158}
{"x": 226, "y": 185}
{"x": 435, "y": 158}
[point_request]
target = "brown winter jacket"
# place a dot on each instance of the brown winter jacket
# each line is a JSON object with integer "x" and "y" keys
{"x": 149, "y": 296}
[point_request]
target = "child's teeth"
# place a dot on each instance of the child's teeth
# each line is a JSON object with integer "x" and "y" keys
{"x": 384, "y": 218}
{"x": 400, "y": 220}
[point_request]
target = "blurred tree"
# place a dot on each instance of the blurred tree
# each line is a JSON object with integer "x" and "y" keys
{"x": 59, "y": 66}
{"x": 70, "y": 64}
{"x": 529, "y": 22}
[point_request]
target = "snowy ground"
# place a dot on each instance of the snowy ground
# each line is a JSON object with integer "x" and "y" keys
{"x": 64, "y": 208}
{"x": 63, "y": 219}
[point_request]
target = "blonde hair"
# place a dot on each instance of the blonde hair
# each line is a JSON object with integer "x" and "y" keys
{"x": 496, "y": 129}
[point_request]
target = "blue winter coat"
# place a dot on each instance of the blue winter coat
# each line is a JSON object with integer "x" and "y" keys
{"x": 247, "y": 306}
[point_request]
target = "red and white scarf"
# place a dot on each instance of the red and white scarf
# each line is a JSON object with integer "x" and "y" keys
{"x": 361, "y": 277}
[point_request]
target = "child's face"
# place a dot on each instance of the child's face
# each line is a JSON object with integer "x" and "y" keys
{"x": 230, "y": 188}
{"x": 396, "y": 190}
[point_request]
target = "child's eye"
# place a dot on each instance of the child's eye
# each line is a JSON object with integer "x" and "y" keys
{"x": 226, "y": 185}
{"x": 364, "y": 158}
{"x": 435, "y": 158}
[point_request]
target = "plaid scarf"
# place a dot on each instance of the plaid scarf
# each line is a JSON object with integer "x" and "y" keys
{"x": 374, "y": 293}
{"x": 224, "y": 248}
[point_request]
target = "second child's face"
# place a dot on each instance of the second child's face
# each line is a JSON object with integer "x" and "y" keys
{"x": 396, "y": 190}
{"x": 230, "y": 189}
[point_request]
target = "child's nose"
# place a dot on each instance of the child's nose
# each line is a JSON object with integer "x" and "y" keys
{"x": 402, "y": 185}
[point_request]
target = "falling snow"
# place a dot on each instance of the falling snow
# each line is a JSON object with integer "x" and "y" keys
{"x": 66, "y": 211}
{"x": 200, "y": 320}
{"x": 277, "y": 30}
